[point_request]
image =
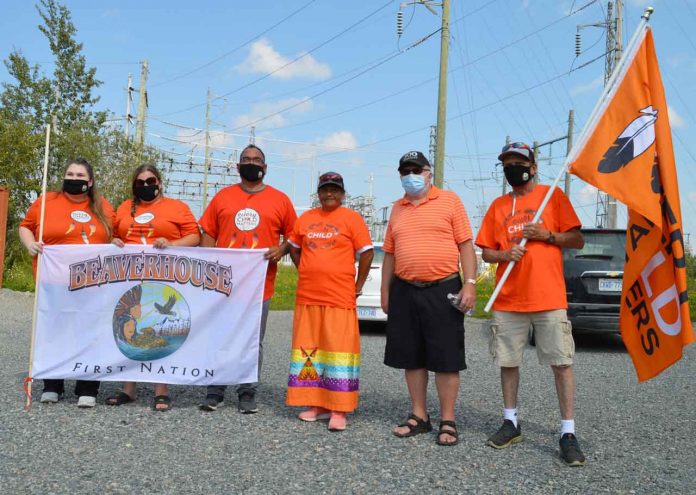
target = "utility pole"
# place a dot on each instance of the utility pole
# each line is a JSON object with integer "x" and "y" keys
{"x": 142, "y": 106}
{"x": 129, "y": 100}
{"x": 433, "y": 144}
{"x": 54, "y": 117}
{"x": 442, "y": 96}
{"x": 535, "y": 147}
{"x": 616, "y": 30}
{"x": 569, "y": 146}
{"x": 207, "y": 151}
{"x": 507, "y": 141}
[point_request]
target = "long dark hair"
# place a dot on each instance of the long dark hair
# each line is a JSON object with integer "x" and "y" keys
{"x": 95, "y": 199}
{"x": 146, "y": 167}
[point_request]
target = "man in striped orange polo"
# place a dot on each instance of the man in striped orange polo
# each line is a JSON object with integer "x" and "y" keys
{"x": 427, "y": 238}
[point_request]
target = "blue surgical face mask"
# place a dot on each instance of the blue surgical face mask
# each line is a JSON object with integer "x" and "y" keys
{"x": 413, "y": 184}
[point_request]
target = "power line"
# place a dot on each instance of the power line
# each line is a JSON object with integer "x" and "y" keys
{"x": 237, "y": 48}
{"x": 284, "y": 66}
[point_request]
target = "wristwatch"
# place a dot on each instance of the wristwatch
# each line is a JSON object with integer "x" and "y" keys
{"x": 471, "y": 281}
{"x": 551, "y": 239}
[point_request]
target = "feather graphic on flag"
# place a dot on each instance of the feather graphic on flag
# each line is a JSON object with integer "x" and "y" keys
{"x": 637, "y": 137}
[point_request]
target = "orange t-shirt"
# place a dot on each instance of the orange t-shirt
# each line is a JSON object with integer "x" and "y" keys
{"x": 329, "y": 242}
{"x": 536, "y": 282}
{"x": 425, "y": 238}
{"x": 168, "y": 218}
{"x": 67, "y": 222}
{"x": 238, "y": 219}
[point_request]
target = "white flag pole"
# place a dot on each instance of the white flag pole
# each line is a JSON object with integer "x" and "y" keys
{"x": 597, "y": 111}
{"x": 44, "y": 183}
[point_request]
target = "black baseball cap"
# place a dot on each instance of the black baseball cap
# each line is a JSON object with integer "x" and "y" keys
{"x": 414, "y": 158}
{"x": 329, "y": 178}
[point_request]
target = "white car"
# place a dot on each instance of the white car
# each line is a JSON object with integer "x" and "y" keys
{"x": 369, "y": 303}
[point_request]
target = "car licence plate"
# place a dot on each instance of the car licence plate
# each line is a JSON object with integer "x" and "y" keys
{"x": 367, "y": 312}
{"x": 610, "y": 284}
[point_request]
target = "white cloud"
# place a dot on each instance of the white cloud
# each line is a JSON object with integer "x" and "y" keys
{"x": 675, "y": 119}
{"x": 341, "y": 140}
{"x": 217, "y": 138}
{"x": 586, "y": 88}
{"x": 265, "y": 109}
{"x": 263, "y": 59}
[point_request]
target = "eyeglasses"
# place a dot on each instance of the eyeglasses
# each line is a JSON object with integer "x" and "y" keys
{"x": 150, "y": 181}
{"x": 412, "y": 170}
{"x": 251, "y": 160}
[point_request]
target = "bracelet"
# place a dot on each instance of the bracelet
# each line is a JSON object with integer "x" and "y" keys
{"x": 471, "y": 281}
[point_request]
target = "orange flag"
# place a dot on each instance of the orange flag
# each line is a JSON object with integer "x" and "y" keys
{"x": 628, "y": 153}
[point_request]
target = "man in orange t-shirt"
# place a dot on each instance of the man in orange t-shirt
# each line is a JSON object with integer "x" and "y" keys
{"x": 535, "y": 292}
{"x": 249, "y": 215}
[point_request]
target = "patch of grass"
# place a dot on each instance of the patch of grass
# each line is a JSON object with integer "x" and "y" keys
{"x": 484, "y": 289}
{"x": 285, "y": 287}
{"x": 19, "y": 277}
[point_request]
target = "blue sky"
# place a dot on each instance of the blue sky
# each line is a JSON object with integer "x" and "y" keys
{"x": 332, "y": 110}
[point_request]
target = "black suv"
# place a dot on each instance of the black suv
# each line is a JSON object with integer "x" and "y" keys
{"x": 593, "y": 277}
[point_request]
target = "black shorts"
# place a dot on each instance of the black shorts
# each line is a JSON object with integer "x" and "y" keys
{"x": 423, "y": 329}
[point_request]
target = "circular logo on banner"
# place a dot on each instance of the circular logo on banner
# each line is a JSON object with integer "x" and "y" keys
{"x": 80, "y": 216}
{"x": 247, "y": 219}
{"x": 144, "y": 218}
{"x": 151, "y": 321}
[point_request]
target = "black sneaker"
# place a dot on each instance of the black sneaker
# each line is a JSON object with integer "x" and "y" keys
{"x": 570, "y": 450}
{"x": 247, "y": 403}
{"x": 211, "y": 403}
{"x": 506, "y": 435}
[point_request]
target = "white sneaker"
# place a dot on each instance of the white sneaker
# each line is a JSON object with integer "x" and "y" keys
{"x": 86, "y": 401}
{"x": 49, "y": 397}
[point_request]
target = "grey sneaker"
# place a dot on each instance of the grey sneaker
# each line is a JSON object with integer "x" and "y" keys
{"x": 506, "y": 435}
{"x": 570, "y": 450}
{"x": 211, "y": 403}
{"x": 247, "y": 403}
{"x": 49, "y": 397}
{"x": 86, "y": 401}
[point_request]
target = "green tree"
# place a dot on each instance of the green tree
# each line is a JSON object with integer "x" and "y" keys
{"x": 65, "y": 99}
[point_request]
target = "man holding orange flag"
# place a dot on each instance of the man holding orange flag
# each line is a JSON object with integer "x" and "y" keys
{"x": 534, "y": 294}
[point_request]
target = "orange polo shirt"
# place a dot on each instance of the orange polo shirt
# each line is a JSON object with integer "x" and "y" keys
{"x": 425, "y": 238}
{"x": 536, "y": 282}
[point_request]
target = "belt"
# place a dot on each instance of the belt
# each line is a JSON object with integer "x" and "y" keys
{"x": 422, "y": 285}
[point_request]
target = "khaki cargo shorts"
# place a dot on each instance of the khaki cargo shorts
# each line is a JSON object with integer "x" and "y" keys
{"x": 552, "y": 332}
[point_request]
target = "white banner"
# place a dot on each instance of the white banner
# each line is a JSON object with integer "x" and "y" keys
{"x": 175, "y": 315}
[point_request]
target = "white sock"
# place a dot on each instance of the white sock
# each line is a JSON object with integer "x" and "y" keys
{"x": 511, "y": 414}
{"x": 567, "y": 426}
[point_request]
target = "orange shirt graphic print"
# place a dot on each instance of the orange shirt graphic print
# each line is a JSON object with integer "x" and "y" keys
{"x": 321, "y": 235}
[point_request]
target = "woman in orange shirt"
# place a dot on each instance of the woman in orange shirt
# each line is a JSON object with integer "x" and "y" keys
{"x": 325, "y": 358}
{"x": 77, "y": 214}
{"x": 150, "y": 218}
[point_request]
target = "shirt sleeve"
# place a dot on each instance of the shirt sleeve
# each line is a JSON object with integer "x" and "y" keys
{"x": 388, "y": 246}
{"x": 460, "y": 221}
{"x": 295, "y": 237}
{"x": 360, "y": 234}
{"x": 289, "y": 218}
{"x": 567, "y": 218}
{"x": 118, "y": 218}
{"x": 486, "y": 236}
{"x": 209, "y": 219}
{"x": 186, "y": 220}
{"x": 31, "y": 219}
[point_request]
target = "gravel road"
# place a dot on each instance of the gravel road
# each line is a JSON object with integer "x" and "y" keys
{"x": 636, "y": 436}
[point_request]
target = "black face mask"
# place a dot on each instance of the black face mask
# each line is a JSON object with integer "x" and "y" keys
{"x": 75, "y": 186}
{"x": 146, "y": 193}
{"x": 251, "y": 172}
{"x": 517, "y": 175}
